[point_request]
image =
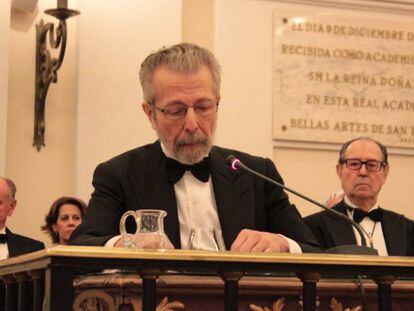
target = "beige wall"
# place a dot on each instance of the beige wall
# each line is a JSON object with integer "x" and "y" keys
{"x": 40, "y": 176}
{"x": 4, "y": 78}
{"x": 247, "y": 110}
{"x": 113, "y": 41}
{"x": 198, "y": 22}
{"x": 93, "y": 113}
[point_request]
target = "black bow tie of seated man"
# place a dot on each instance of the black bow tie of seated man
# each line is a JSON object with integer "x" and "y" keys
{"x": 175, "y": 170}
{"x": 3, "y": 238}
{"x": 358, "y": 215}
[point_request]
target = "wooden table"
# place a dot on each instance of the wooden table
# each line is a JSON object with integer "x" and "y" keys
{"x": 46, "y": 277}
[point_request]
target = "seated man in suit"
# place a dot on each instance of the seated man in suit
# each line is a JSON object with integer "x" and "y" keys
{"x": 12, "y": 244}
{"x": 185, "y": 175}
{"x": 363, "y": 168}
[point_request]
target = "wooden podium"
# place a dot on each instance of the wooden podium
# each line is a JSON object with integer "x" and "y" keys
{"x": 53, "y": 279}
{"x": 118, "y": 290}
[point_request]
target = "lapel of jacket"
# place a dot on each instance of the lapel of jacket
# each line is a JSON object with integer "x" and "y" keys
{"x": 339, "y": 229}
{"x": 234, "y": 197}
{"x": 153, "y": 190}
{"x": 394, "y": 230}
{"x": 15, "y": 249}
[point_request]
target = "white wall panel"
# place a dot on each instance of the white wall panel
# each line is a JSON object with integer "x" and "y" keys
{"x": 114, "y": 38}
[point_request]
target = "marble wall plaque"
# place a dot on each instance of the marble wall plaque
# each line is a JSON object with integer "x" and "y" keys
{"x": 339, "y": 74}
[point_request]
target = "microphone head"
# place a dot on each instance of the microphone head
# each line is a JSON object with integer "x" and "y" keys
{"x": 232, "y": 161}
{"x": 230, "y": 158}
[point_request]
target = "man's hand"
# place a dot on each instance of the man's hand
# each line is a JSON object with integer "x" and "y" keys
{"x": 258, "y": 241}
{"x": 334, "y": 198}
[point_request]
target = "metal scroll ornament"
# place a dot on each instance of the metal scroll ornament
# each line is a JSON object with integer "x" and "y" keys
{"x": 47, "y": 66}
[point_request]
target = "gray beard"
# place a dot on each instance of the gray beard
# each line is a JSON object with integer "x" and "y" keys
{"x": 182, "y": 155}
{"x": 189, "y": 158}
{"x": 194, "y": 156}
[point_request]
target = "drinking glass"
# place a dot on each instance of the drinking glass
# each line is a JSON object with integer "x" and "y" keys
{"x": 208, "y": 239}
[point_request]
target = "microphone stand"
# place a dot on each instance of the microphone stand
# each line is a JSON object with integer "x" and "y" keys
{"x": 343, "y": 249}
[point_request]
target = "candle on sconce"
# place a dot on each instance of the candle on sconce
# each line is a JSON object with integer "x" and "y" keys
{"x": 46, "y": 65}
{"x": 62, "y": 4}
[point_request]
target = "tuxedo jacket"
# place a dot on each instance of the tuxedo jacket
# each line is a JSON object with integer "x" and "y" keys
{"x": 331, "y": 230}
{"x": 137, "y": 180}
{"x": 19, "y": 245}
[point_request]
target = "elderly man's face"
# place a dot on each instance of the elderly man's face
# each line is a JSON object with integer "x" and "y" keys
{"x": 362, "y": 186}
{"x": 6, "y": 205}
{"x": 190, "y": 138}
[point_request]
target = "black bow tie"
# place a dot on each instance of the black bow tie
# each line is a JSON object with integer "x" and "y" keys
{"x": 3, "y": 238}
{"x": 375, "y": 215}
{"x": 175, "y": 170}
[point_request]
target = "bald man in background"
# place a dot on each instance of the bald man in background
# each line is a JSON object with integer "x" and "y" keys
{"x": 12, "y": 244}
{"x": 363, "y": 169}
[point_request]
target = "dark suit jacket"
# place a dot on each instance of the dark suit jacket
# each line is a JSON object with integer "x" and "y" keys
{"x": 137, "y": 180}
{"x": 331, "y": 231}
{"x": 19, "y": 245}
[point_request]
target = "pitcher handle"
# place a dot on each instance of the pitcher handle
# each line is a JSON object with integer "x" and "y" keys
{"x": 126, "y": 237}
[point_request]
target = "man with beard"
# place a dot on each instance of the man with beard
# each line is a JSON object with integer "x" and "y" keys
{"x": 363, "y": 169}
{"x": 185, "y": 175}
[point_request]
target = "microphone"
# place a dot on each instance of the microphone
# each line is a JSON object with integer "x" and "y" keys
{"x": 235, "y": 164}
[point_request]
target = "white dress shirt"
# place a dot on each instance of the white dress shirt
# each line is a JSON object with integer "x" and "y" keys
{"x": 196, "y": 207}
{"x": 374, "y": 229}
{"x": 4, "y": 250}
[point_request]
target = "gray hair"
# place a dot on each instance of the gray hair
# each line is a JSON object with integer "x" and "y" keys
{"x": 181, "y": 58}
{"x": 12, "y": 188}
{"x": 346, "y": 145}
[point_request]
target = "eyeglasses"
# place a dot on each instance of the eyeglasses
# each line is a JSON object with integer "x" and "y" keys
{"x": 179, "y": 111}
{"x": 356, "y": 164}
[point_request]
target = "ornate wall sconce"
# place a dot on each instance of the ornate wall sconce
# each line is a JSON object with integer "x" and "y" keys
{"x": 46, "y": 66}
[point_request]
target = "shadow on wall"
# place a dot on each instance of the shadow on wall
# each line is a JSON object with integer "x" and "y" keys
{"x": 22, "y": 21}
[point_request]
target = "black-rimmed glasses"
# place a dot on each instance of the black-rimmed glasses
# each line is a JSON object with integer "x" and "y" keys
{"x": 179, "y": 111}
{"x": 356, "y": 164}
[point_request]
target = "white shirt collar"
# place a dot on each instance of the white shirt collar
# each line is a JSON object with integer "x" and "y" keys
{"x": 349, "y": 203}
